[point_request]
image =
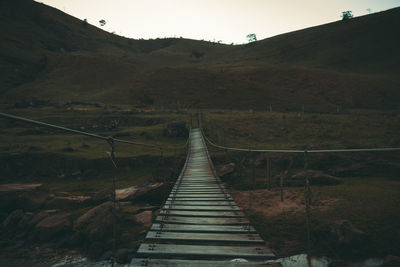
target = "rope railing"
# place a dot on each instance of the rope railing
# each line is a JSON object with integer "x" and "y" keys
{"x": 106, "y": 138}
{"x": 111, "y": 141}
{"x": 303, "y": 151}
{"x": 307, "y": 185}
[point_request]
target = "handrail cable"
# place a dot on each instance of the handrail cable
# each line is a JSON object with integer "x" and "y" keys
{"x": 302, "y": 151}
{"x": 107, "y": 138}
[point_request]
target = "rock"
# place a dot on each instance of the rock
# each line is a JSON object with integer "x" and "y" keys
{"x": 12, "y": 220}
{"x": 391, "y": 261}
{"x": 225, "y": 169}
{"x": 96, "y": 249}
{"x": 345, "y": 233}
{"x": 53, "y": 226}
{"x": 19, "y": 187}
{"x": 124, "y": 255}
{"x": 24, "y": 223}
{"x": 10, "y": 194}
{"x": 337, "y": 263}
{"x": 97, "y": 223}
{"x": 144, "y": 218}
{"x": 3, "y": 216}
{"x": 132, "y": 193}
{"x": 106, "y": 256}
{"x": 103, "y": 195}
{"x": 31, "y": 201}
{"x": 176, "y": 129}
{"x": 125, "y": 238}
{"x": 68, "y": 202}
{"x": 40, "y": 216}
{"x": 315, "y": 177}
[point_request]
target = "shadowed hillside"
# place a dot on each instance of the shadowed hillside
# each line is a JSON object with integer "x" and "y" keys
{"x": 47, "y": 54}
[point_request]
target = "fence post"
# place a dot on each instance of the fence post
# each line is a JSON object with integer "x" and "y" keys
{"x": 281, "y": 184}
{"x": 112, "y": 158}
{"x": 307, "y": 196}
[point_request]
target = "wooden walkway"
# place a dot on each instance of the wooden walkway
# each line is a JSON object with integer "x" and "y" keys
{"x": 200, "y": 224}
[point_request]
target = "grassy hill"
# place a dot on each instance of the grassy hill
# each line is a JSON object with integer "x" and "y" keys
{"x": 47, "y": 54}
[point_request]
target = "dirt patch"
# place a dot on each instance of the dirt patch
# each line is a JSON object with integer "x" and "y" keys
{"x": 269, "y": 203}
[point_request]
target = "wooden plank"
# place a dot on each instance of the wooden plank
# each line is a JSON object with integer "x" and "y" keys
{"x": 200, "y": 203}
{"x": 205, "y": 208}
{"x": 197, "y": 213}
{"x": 198, "y": 263}
{"x": 199, "y": 228}
{"x": 205, "y": 237}
{"x": 207, "y": 251}
{"x": 200, "y": 199}
{"x": 201, "y": 220}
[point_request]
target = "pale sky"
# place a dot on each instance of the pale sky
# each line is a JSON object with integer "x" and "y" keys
{"x": 226, "y": 20}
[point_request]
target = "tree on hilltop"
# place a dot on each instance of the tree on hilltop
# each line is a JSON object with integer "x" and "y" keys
{"x": 251, "y": 37}
{"x": 346, "y": 15}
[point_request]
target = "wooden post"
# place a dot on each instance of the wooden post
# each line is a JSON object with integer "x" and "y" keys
{"x": 281, "y": 184}
{"x": 269, "y": 173}
{"x": 307, "y": 198}
{"x": 270, "y": 107}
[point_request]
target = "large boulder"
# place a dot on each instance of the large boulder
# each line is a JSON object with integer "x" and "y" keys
{"x": 12, "y": 220}
{"x": 53, "y": 226}
{"x": 133, "y": 192}
{"x": 13, "y": 196}
{"x": 68, "y": 202}
{"x": 103, "y": 196}
{"x": 31, "y": 201}
{"x": 176, "y": 129}
{"x": 144, "y": 218}
{"x": 97, "y": 223}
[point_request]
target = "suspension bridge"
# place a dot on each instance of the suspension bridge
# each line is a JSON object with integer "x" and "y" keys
{"x": 200, "y": 224}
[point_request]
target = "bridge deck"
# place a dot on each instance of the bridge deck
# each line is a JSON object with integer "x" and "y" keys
{"x": 200, "y": 224}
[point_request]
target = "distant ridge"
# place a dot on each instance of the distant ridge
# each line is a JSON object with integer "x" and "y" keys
{"x": 47, "y": 54}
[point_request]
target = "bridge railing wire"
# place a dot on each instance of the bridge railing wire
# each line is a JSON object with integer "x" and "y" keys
{"x": 111, "y": 141}
{"x": 284, "y": 172}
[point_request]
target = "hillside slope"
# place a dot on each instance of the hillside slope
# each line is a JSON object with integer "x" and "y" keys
{"x": 47, "y": 54}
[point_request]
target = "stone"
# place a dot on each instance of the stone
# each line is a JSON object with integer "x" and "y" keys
{"x": 18, "y": 187}
{"x": 124, "y": 255}
{"x": 337, "y": 263}
{"x": 225, "y": 169}
{"x": 391, "y": 261}
{"x": 103, "y": 196}
{"x": 97, "y": 223}
{"x": 53, "y": 226}
{"x": 96, "y": 249}
{"x": 10, "y": 194}
{"x": 40, "y": 216}
{"x": 133, "y": 193}
{"x": 24, "y": 223}
{"x": 144, "y": 218}
{"x": 12, "y": 220}
{"x": 68, "y": 202}
{"x": 31, "y": 201}
{"x": 345, "y": 233}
